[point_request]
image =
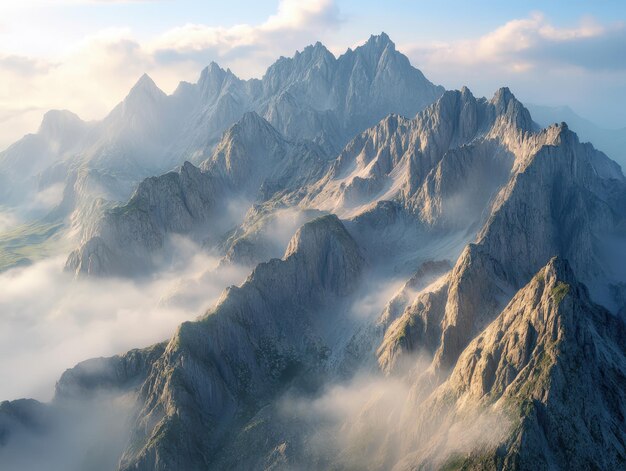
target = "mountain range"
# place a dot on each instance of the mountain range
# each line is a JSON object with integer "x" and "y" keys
{"x": 313, "y": 96}
{"x": 436, "y": 280}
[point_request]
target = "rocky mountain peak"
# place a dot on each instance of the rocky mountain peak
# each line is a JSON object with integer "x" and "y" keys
{"x": 318, "y": 231}
{"x": 380, "y": 42}
{"x": 56, "y": 124}
{"x": 142, "y": 105}
{"x": 509, "y": 107}
{"x": 211, "y": 74}
{"x": 327, "y": 252}
{"x": 213, "y": 79}
{"x": 315, "y": 51}
{"x": 545, "y": 360}
{"x": 558, "y": 269}
{"x": 245, "y": 148}
{"x": 251, "y": 122}
{"x": 145, "y": 87}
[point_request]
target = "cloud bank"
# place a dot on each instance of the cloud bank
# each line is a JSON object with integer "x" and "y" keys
{"x": 529, "y": 43}
{"x": 50, "y": 321}
{"x": 540, "y": 62}
{"x": 376, "y": 422}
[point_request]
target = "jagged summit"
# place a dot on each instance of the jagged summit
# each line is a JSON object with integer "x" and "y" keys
{"x": 138, "y": 113}
{"x": 317, "y": 50}
{"x": 146, "y": 87}
{"x": 380, "y": 41}
{"x": 559, "y": 269}
{"x": 61, "y": 125}
{"x": 544, "y": 361}
{"x": 507, "y": 105}
{"x": 212, "y": 68}
{"x": 212, "y": 78}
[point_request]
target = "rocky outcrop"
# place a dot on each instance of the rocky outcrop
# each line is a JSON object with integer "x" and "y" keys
{"x": 571, "y": 207}
{"x": 265, "y": 233}
{"x": 116, "y": 374}
{"x": 252, "y": 161}
{"x": 404, "y": 159}
{"x": 129, "y": 238}
{"x": 23, "y": 415}
{"x": 554, "y": 363}
{"x": 576, "y": 201}
{"x": 220, "y": 369}
{"x": 254, "y": 158}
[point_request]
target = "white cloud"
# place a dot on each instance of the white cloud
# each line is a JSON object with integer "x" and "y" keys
{"x": 518, "y": 44}
{"x": 381, "y": 422}
{"x": 581, "y": 66}
{"x": 50, "y": 322}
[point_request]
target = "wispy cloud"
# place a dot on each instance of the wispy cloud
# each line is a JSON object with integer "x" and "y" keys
{"x": 294, "y": 23}
{"x": 376, "y": 422}
{"x": 540, "y": 61}
{"x": 50, "y": 322}
{"x": 523, "y": 44}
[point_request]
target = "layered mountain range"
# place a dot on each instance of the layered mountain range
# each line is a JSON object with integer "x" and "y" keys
{"x": 437, "y": 282}
{"x": 313, "y": 96}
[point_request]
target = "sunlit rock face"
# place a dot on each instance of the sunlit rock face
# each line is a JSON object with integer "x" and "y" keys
{"x": 260, "y": 336}
{"x": 543, "y": 368}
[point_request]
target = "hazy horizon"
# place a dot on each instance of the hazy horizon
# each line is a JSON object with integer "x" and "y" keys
{"x": 84, "y": 55}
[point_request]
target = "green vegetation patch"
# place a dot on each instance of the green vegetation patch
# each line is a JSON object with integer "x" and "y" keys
{"x": 27, "y": 243}
{"x": 559, "y": 291}
{"x": 481, "y": 460}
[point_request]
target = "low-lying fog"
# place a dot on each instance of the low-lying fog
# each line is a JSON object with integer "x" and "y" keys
{"x": 50, "y": 321}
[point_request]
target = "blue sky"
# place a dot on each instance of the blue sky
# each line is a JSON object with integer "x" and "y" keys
{"x": 85, "y": 54}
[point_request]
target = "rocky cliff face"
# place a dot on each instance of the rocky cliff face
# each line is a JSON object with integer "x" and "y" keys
{"x": 553, "y": 362}
{"x": 576, "y": 202}
{"x": 258, "y": 339}
{"x": 404, "y": 159}
{"x": 119, "y": 374}
{"x": 251, "y": 162}
{"x": 129, "y": 238}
